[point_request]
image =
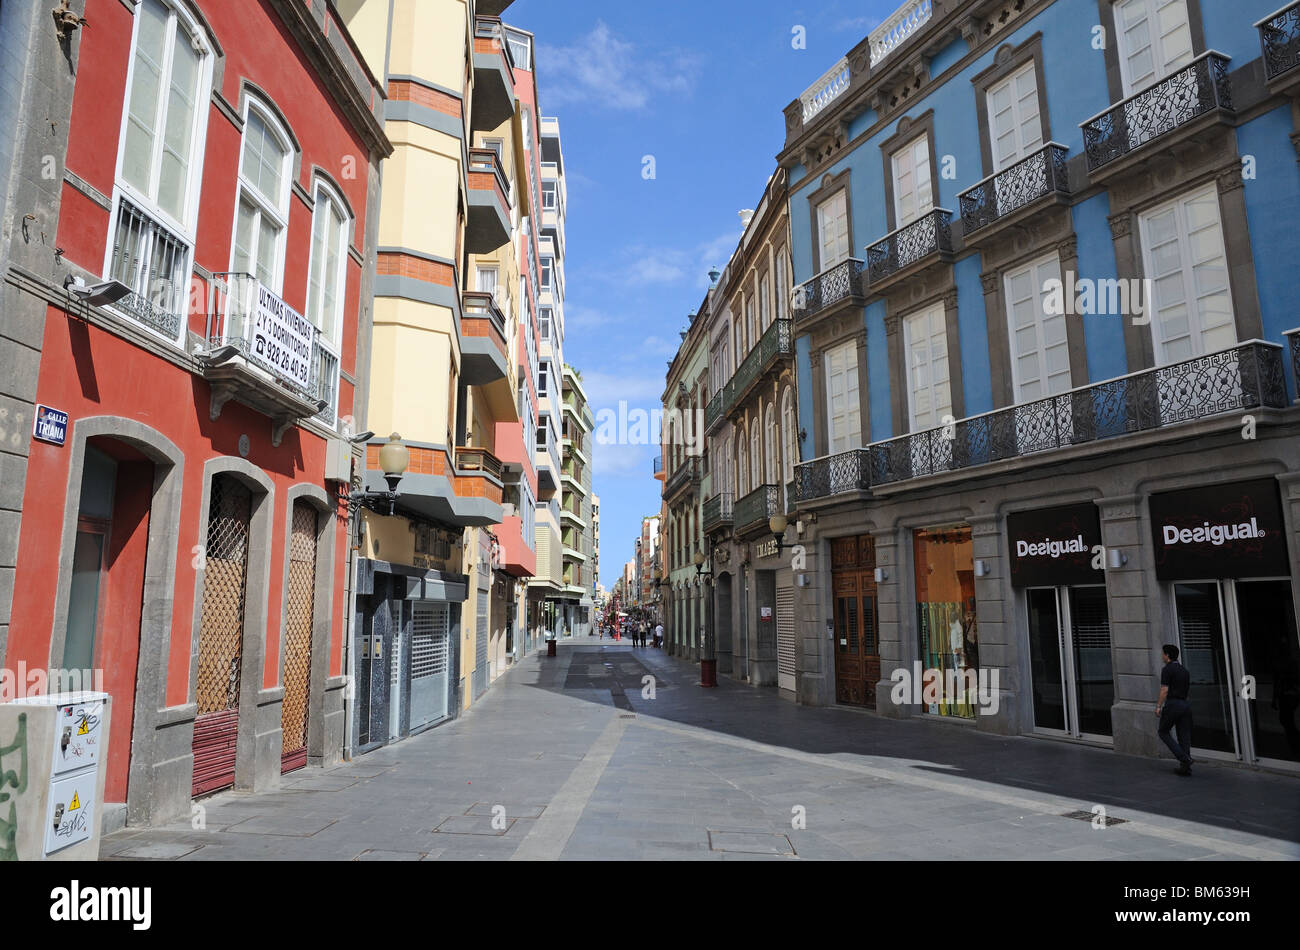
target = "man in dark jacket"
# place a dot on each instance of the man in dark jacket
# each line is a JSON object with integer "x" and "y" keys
{"x": 1174, "y": 710}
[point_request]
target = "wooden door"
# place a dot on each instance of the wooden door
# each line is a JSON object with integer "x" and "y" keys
{"x": 299, "y": 617}
{"x": 857, "y": 650}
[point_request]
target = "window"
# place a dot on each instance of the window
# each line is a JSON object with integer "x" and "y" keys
{"x": 833, "y": 229}
{"x": 769, "y": 444}
{"x": 486, "y": 280}
{"x": 1155, "y": 40}
{"x": 542, "y": 444}
{"x": 548, "y": 266}
{"x": 159, "y": 155}
{"x": 844, "y": 412}
{"x": 1015, "y": 125}
{"x": 749, "y": 325}
{"x": 782, "y": 286}
{"x": 521, "y": 49}
{"x": 764, "y": 302}
{"x": 789, "y": 438}
{"x": 1040, "y": 352}
{"x": 544, "y": 322}
{"x": 1183, "y": 253}
{"x": 165, "y": 111}
{"x": 262, "y": 205}
{"x": 925, "y": 347}
{"x": 742, "y": 465}
{"x": 327, "y": 274}
{"x": 542, "y": 382}
{"x": 755, "y": 458}
{"x": 550, "y": 195}
{"x": 913, "y": 188}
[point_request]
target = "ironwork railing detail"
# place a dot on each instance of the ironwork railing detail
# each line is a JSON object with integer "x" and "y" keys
{"x": 717, "y": 511}
{"x": 1279, "y": 35}
{"x": 928, "y": 234}
{"x": 1042, "y": 173}
{"x": 687, "y": 472}
{"x": 1198, "y": 88}
{"x": 1293, "y": 337}
{"x": 757, "y": 507}
{"x": 833, "y": 475}
{"x": 717, "y": 405}
{"x": 791, "y": 499}
{"x": 776, "y": 341}
{"x": 153, "y": 262}
{"x": 1247, "y": 376}
{"x": 829, "y": 287}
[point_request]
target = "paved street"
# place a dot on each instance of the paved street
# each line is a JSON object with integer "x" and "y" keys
{"x": 575, "y": 763}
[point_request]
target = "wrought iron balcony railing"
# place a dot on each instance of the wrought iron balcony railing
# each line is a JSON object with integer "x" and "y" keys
{"x": 153, "y": 262}
{"x": 777, "y": 341}
{"x": 836, "y": 283}
{"x": 753, "y": 511}
{"x": 929, "y": 234}
{"x": 688, "y": 472}
{"x": 1249, "y": 375}
{"x": 1293, "y": 338}
{"x": 833, "y": 475}
{"x": 717, "y": 405}
{"x": 791, "y": 499}
{"x": 1279, "y": 35}
{"x": 717, "y": 511}
{"x": 1041, "y": 174}
{"x": 1198, "y": 88}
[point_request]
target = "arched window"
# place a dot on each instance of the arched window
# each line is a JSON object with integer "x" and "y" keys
{"x": 755, "y": 456}
{"x": 331, "y": 231}
{"x": 262, "y": 198}
{"x": 742, "y": 464}
{"x": 789, "y": 437}
{"x": 770, "y": 456}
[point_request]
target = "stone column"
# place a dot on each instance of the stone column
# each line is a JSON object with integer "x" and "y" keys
{"x": 1135, "y": 618}
{"x": 815, "y": 662}
{"x": 897, "y": 645}
{"x": 999, "y": 647}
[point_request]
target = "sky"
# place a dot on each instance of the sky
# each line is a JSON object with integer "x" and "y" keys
{"x": 700, "y": 87}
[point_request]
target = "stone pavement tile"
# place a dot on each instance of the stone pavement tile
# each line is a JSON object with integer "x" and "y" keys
{"x": 372, "y": 855}
{"x": 157, "y": 851}
{"x": 298, "y": 826}
{"x": 474, "y": 825}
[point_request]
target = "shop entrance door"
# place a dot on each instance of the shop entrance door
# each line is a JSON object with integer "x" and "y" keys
{"x": 1239, "y": 643}
{"x": 1069, "y": 648}
{"x": 430, "y": 662}
{"x": 857, "y": 651}
{"x": 300, "y": 615}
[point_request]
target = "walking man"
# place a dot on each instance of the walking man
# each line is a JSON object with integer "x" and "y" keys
{"x": 1174, "y": 710}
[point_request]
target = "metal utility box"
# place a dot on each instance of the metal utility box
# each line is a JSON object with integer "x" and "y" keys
{"x": 53, "y": 762}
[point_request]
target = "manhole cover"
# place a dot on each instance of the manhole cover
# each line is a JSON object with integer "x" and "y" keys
{"x": 1106, "y": 820}
{"x": 750, "y": 842}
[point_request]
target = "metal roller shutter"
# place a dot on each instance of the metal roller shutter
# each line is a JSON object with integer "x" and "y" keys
{"x": 785, "y": 638}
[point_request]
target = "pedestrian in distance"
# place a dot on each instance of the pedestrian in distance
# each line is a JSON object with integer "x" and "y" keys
{"x": 659, "y": 636}
{"x": 1174, "y": 709}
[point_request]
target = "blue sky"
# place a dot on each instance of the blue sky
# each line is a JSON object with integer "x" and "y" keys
{"x": 701, "y": 86}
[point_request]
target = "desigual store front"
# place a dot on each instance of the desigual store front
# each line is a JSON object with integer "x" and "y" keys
{"x": 1044, "y": 593}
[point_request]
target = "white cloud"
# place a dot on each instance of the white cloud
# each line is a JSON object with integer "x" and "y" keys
{"x": 605, "y": 390}
{"x": 602, "y": 70}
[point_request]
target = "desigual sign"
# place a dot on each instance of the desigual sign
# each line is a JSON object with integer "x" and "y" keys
{"x": 1054, "y": 546}
{"x": 1233, "y": 530}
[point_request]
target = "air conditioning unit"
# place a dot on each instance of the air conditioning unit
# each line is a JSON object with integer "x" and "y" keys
{"x": 338, "y": 461}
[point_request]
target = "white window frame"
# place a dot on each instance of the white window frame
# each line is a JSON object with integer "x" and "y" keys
{"x": 936, "y": 406}
{"x": 325, "y": 194}
{"x": 1041, "y": 346}
{"x": 755, "y": 455}
{"x": 789, "y": 437}
{"x": 852, "y": 438}
{"x": 1162, "y": 67}
{"x": 742, "y": 462}
{"x": 1024, "y": 146}
{"x": 843, "y": 243}
{"x": 909, "y": 149}
{"x": 781, "y": 288}
{"x": 279, "y": 214}
{"x": 771, "y": 460}
{"x": 186, "y": 229}
{"x": 1191, "y": 298}
{"x": 764, "y": 303}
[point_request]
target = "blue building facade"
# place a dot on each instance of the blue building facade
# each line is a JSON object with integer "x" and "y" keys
{"x": 1043, "y": 252}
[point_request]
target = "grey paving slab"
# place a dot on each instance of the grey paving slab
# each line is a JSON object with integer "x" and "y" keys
{"x": 577, "y": 781}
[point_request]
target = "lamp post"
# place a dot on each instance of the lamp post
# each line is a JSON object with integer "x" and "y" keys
{"x": 393, "y": 459}
{"x": 709, "y": 661}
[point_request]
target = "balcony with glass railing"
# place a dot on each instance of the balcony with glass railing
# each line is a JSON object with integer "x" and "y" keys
{"x": 1015, "y": 192}
{"x": 1246, "y": 376}
{"x": 1279, "y": 37}
{"x": 1172, "y": 108}
{"x": 909, "y": 250}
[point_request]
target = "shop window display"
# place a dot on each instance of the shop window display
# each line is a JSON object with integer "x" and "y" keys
{"x": 947, "y": 631}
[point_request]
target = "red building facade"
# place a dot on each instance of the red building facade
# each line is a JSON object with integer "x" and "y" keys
{"x": 201, "y": 296}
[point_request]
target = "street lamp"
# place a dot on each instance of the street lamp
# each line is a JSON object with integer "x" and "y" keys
{"x": 709, "y": 661}
{"x": 393, "y": 459}
{"x": 777, "y": 525}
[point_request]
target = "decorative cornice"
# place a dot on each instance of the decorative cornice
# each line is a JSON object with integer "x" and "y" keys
{"x": 1069, "y": 247}
{"x": 1229, "y": 178}
{"x": 990, "y": 279}
{"x": 1121, "y": 225}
